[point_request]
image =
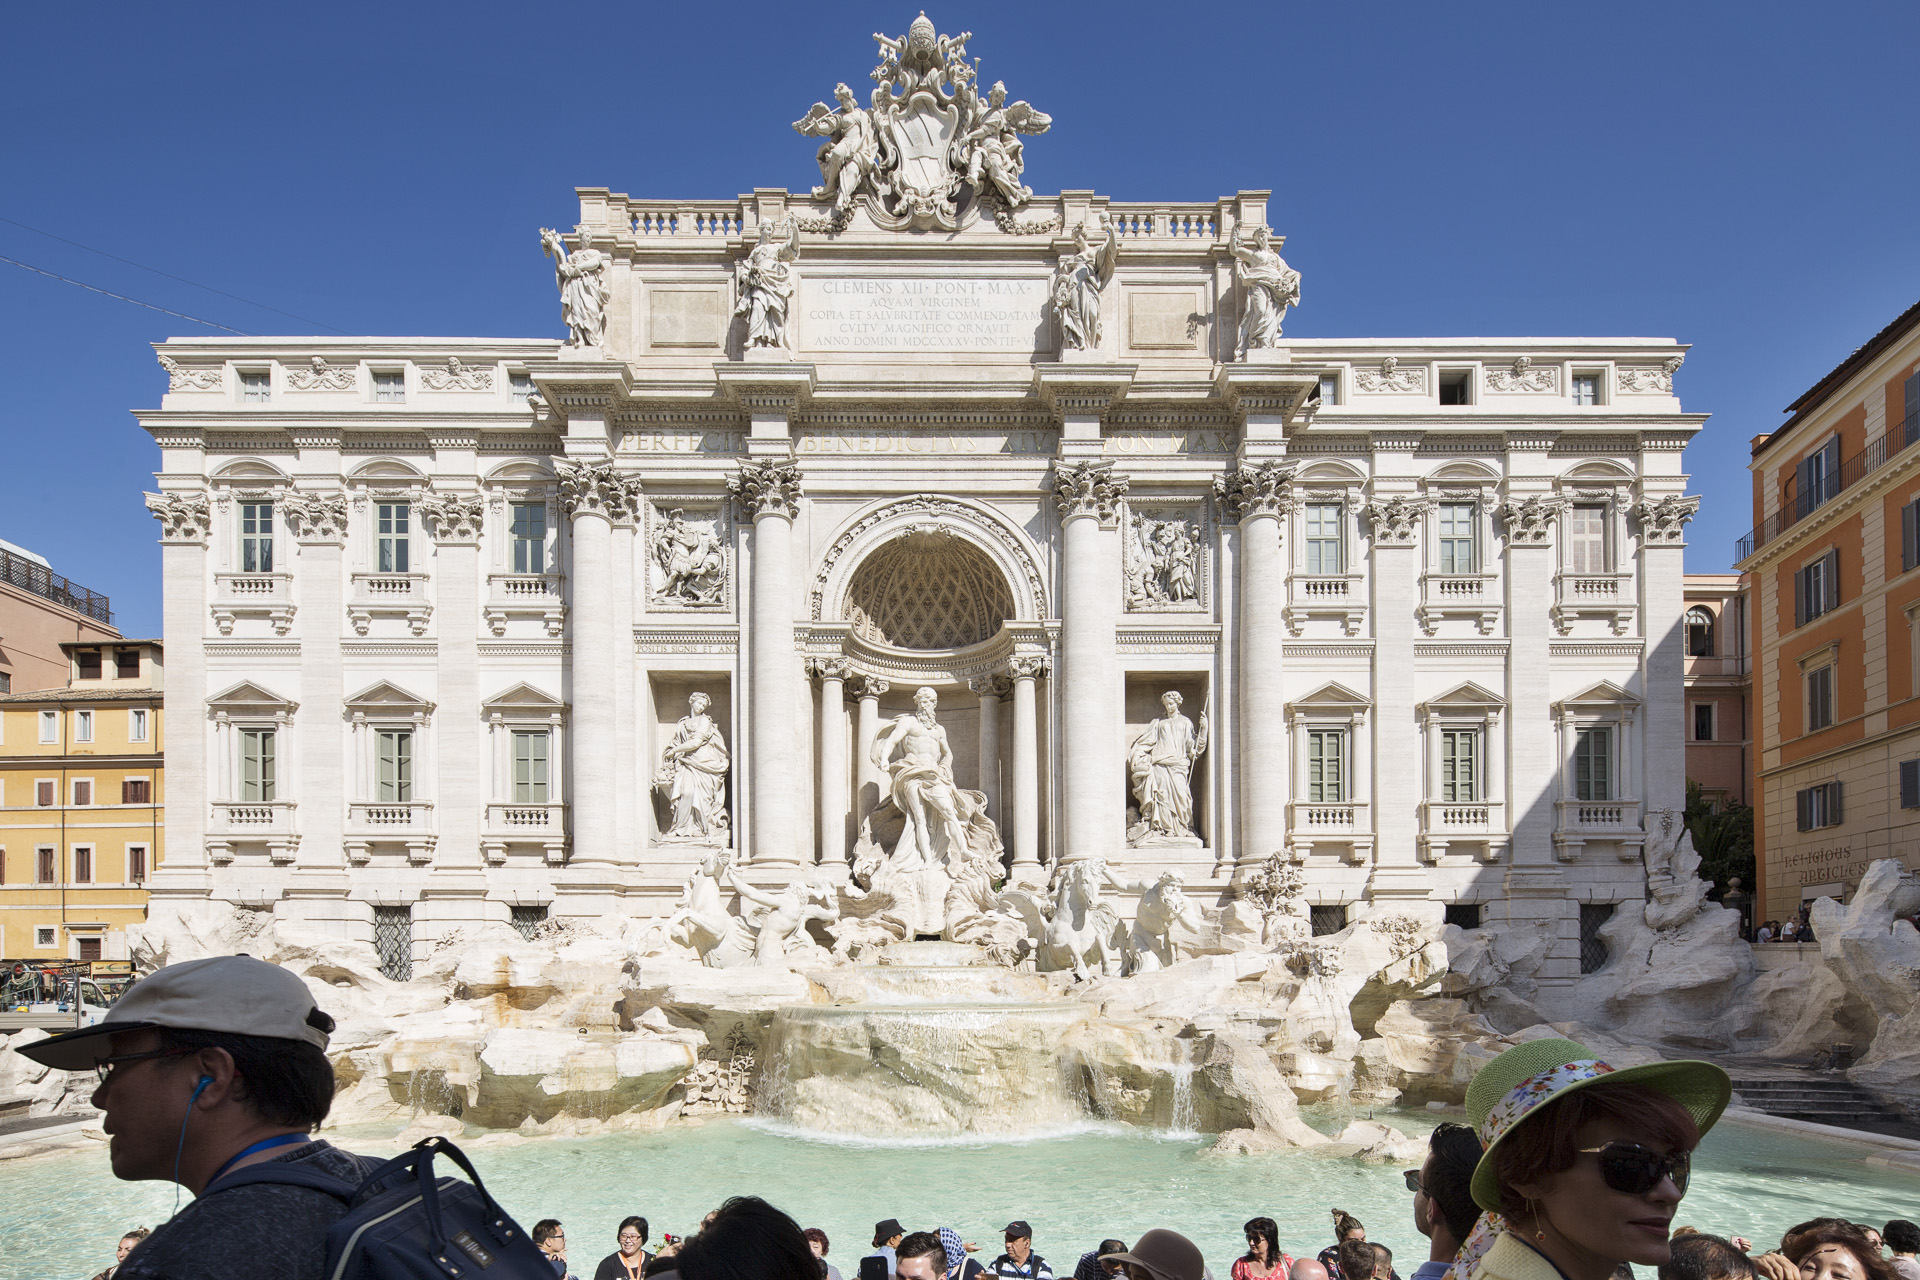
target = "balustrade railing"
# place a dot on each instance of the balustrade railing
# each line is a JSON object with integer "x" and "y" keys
{"x": 1796, "y": 506}
{"x": 31, "y": 576}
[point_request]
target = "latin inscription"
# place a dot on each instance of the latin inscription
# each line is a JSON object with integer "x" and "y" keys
{"x": 900, "y": 442}
{"x": 1136, "y": 443}
{"x": 921, "y": 315}
{"x": 683, "y": 442}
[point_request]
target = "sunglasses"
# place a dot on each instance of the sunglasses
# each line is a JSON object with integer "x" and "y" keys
{"x": 1412, "y": 1177}
{"x": 1631, "y": 1169}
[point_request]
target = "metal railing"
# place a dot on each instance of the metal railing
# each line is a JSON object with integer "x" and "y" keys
{"x": 41, "y": 581}
{"x": 1796, "y": 506}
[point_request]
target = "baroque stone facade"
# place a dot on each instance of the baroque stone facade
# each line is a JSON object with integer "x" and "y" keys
{"x": 555, "y": 623}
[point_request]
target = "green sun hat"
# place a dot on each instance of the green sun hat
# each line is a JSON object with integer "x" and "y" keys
{"x": 1518, "y": 1082}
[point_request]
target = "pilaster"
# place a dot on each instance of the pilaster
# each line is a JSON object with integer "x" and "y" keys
{"x": 1258, "y": 498}
{"x": 185, "y": 517}
{"x": 459, "y": 795}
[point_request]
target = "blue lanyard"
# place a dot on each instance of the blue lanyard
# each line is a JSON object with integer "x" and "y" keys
{"x": 278, "y": 1140}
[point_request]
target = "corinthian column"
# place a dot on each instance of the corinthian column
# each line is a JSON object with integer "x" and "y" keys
{"x": 1258, "y": 497}
{"x": 1092, "y": 772}
{"x": 868, "y": 780}
{"x": 834, "y": 780}
{"x": 629, "y": 789}
{"x": 991, "y": 690}
{"x": 592, "y": 493}
{"x": 1026, "y": 769}
{"x": 769, "y": 494}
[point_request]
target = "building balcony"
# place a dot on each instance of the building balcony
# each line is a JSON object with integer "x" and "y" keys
{"x": 408, "y": 822}
{"x": 1479, "y": 824}
{"x": 1347, "y": 823}
{"x": 1474, "y": 597}
{"x": 525, "y": 595}
{"x": 1607, "y": 596}
{"x": 1339, "y": 597}
{"x": 1579, "y": 822}
{"x": 542, "y": 823}
{"x": 237, "y": 822}
{"x": 389, "y": 595}
{"x": 253, "y": 595}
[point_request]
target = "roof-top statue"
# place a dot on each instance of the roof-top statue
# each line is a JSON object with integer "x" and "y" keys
{"x": 927, "y": 139}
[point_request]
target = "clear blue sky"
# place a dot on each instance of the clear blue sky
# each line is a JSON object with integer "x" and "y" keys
{"x": 1742, "y": 177}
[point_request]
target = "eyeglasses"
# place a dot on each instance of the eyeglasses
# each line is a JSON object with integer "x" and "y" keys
{"x": 1633, "y": 1170}
{"x": 1412, "y": 1177}
{"x": 626, "y": 1236}
{"x": 103, "y": 1067}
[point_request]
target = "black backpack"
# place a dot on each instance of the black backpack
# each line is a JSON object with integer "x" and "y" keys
{"x": 403, "y": 1224}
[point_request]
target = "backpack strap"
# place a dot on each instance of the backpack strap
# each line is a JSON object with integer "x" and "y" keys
{"x": 273, "y": 1172}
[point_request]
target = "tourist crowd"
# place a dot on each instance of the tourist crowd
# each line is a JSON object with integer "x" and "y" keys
{"x": 213, "y": 1075}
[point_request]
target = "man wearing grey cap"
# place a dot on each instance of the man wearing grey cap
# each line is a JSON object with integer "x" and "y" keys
{"x": 206, "y": 1067}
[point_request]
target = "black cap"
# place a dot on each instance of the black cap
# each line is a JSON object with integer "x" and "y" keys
{"x": 1019, "y": 1230}
{"x": 885, "y": 1230}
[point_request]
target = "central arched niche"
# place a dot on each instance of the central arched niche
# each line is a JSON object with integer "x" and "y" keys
{"x": 928, "y": 589}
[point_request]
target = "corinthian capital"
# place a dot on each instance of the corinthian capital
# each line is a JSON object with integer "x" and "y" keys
{"x": 767, "y": 489}
{"x": 183, "y": 517}
{"x": 1530, "y": 521}
{"x": 591, "y": 487}
{"x": 1265, "y": 490}
{"x": 1032, "y": 667}
{"x": 457, "y": 517}
{"x": 1664, "y": 523}
{"x": 1088, "y": 489}
{"x": 1395, "y": 522}
{"x": 316, "y": 517}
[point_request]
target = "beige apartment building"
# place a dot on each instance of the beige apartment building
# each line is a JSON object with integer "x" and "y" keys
{"x": 1834, "y": 564}
{"x": 1719, "y": 681}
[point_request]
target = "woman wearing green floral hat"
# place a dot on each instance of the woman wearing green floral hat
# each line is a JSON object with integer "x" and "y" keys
{"x": 1582, "y": 1166}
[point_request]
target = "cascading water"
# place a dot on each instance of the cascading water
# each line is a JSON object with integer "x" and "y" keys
{"x": 933, "y": 1050}
{"x": 1181, "y": 1125}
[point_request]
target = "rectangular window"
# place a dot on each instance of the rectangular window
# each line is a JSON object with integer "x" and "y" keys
{"x": 83, "y": 791}
{"x": 527, "y": 920}
{"x": 1910, "y": 420}
{"x": 530, "y": 766}
{"x": 136, "y": 791}
{"x": 6, "y": 682}
{"x": 137, "y": 724}
{"x": 393, "y": 776}
{"x": 1820, "y": 698}
{"x": 256, "y": 386}
{"x": 1323, "y": 538}
{"x": 1329, "y": 389}
{"x": 1910, "y": 784}
{"x": 89, "y": 662}
{"x": 136, "y": 864}
{"x": 1818, "y": 806}
{"x": 83, "y": 726}
{"x": 1593, "y": 764}
{"x": 389, "y": 386}
{"x": 43, "y": 935}
{"x": 256, "y": 765}
{"x": 1910, "y": 535}
{"x": 393, "y": 941}
{"x": 126, "y": 664}
{"x": 1459, "y": 765}
{"x": 89, "y": 948}
{"x": 43, "y": 865}
{"x": 1456, "y": 386}
{"x": 521, "y": 386}
{"x": 256, "y": 537}
{"x": 1456, "y": 527}
{"x": 82, "y": 864}
{"x": 1587, "y": 538}
{"x": 392, "y": 534}
{"x": 1465, "y": 915}
{"x": 43, "y": 794}
{"x": 1703, "y": 722}
{"x": 529, "y": 537}
{"x": 1329, "y": 919}
{"x": 1817, "y": 478}
{"x": 49, "y": 726}
{"x": 1327, "y": 766}
{"x": 1593, "y": 948}
{"x": 1586, "y": 388}
{"x": 1816, "y": 589}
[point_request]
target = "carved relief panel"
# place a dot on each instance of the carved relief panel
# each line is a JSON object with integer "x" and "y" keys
{"x": 688, "y": 548}
{"x": 1164, "y": 558}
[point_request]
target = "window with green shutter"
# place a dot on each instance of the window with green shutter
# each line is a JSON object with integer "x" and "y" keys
{"x": 1459, "y": 765}
{"x": 393, "y": 776}
{"x": 257, "y": 765}
{"x": 530, "y": 766}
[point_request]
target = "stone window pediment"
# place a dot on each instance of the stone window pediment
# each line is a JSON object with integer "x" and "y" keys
{"x": 249, "y": 700}
{"x": 1467, "y": 700}
{"x": 389, "y": 699}
{"x": 523, "y": 701}
{"x": 1332, "y": 701}
{"x": 1605, "y": 698}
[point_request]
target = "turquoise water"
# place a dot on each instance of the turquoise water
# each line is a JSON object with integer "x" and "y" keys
{"x": 60, "y": 1214}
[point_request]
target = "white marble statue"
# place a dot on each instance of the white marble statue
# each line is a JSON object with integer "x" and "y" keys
{"x": 1163, "y": 903}
{"x": 582, "y": 277}
{"x": 1078, "y": 279}
{"x": 701, "y": 920}
{"x": 690, "y": 565}
{"x": 1163, "y": 562}
{"x": 1268, "y": 286}
{"x": 1161, "y": 767}
{"x": 693, "y": 776}
{"x": 994, "y": 161}
{"x": 766, "y": 286}
{"x": 851, "y": 150}
{"x": 923, "y": 786}
{"x": 781, "y": 918}
{"x": 1084, "y": 933}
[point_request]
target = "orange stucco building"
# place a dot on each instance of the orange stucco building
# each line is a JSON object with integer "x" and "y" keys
{"x": 1834, "y": 568}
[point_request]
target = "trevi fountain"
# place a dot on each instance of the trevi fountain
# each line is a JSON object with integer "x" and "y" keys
{"x": 930, "y": 665}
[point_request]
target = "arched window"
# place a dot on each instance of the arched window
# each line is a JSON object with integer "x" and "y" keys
{"x": 1699, "y": 633}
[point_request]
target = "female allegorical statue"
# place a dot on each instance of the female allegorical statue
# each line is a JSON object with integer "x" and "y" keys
{"x": 1268, "y": 287}
{"x": 693, "y": 775}
{"x": 1161, "y": 766}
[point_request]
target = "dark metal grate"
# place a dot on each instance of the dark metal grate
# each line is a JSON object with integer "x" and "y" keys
{"x": 1328, "y": 920}
{"x": 527, "y": 919}
{"x": 1464, "y": 914}
{"x": 393, "y": 940}
{"x": 1593, "y": 951}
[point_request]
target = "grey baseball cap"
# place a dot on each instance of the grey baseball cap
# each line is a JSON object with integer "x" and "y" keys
{"x": 237, "y": 995}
